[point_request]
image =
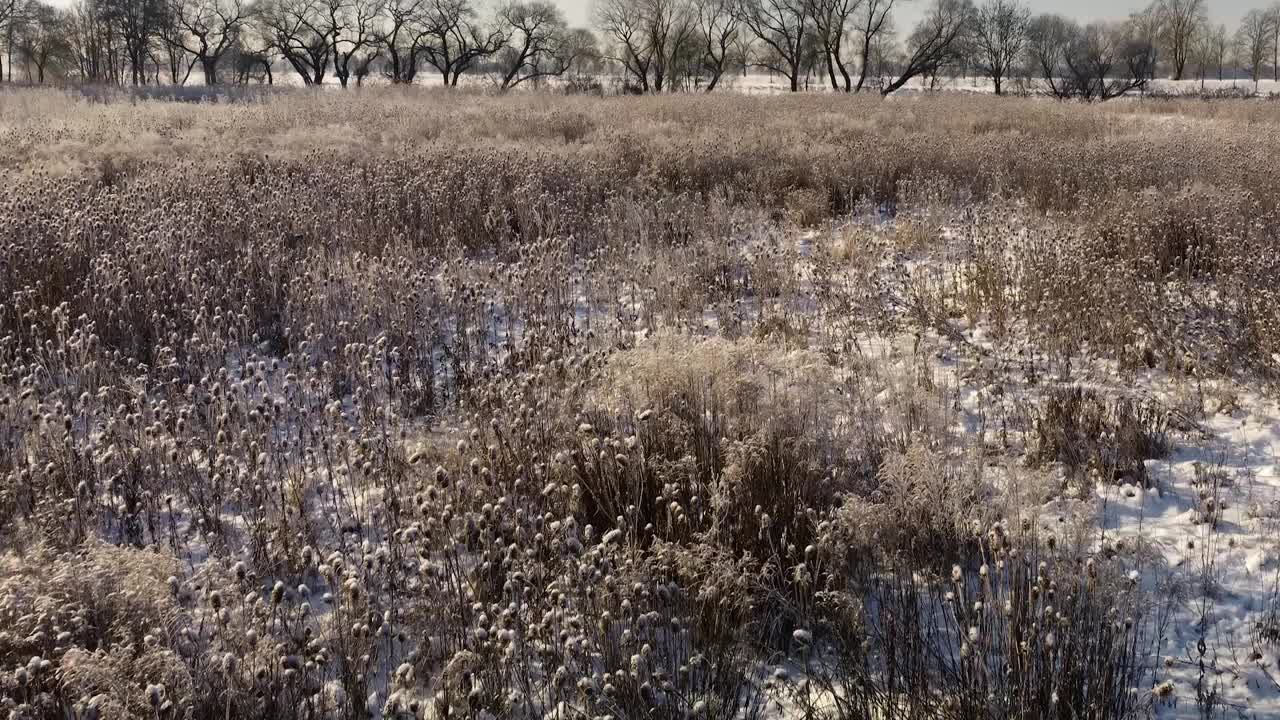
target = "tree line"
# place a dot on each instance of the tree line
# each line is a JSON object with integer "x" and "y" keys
{"x": 653, "y": 46}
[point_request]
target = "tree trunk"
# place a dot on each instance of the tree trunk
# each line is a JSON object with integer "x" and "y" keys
{"x": 517, "y": 65}
{"x": 715, "y": 80}
{"x": 210, "y": 67}
{"x": 844, "y": 73}
{"x": 866, "y": 61}
{"x": 995, "y": 80}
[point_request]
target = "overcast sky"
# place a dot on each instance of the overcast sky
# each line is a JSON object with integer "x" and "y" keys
{"x": 908, "y": 11}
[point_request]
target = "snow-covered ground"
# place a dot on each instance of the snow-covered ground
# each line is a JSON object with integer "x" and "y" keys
{"x": 765, "y": 83}
{"x": 1207, "y": 520}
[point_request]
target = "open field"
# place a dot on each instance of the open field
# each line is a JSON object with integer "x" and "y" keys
{"x": 430, "y": 404}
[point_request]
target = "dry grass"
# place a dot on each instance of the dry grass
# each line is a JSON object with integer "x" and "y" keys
{"x": 462, "y": 406}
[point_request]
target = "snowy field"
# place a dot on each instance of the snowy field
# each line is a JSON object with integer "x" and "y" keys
{"x": 415, "y": 404}
{"x": 766, "y": 83}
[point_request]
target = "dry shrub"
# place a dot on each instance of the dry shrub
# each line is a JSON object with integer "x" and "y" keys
{"x": 756, "y": 436}
{"x": 106, "y": 618}
{"x": 921, "y": 513}
{"x": 807, "y": 208}
{"x": 1017, "y": 626}
{"x": 1091, "y": 435}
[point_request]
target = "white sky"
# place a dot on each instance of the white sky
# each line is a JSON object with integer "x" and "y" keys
{"x": 907, "y": 12}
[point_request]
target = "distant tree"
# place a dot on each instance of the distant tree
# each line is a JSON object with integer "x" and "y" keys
{"x": 540, "y": 43}
{"x": 1201, "y": 56}
{"x": 248, "y": 65}
{"x": 8, "y": 9}
{"x": 351, "y": 26}
{"x": 399, "y": 36}
{"x": 206, "y": 30}
{"x": 1138, "y": 56}
{"x": 1275, "y": 41}
{"x": 1048, "y": 38}
{"x": 1219, "y": 43}
{"x": 674, "y": 28}
{"x": 654, "y": 41}
{"x": 533, "y": 29}
{"x": 361, "y": 63}
{"x": 88, "y": 42}
{"x": 717, "y": 35}
{"x": 41, "y": 38}
{"x": 874, "y": 25}
{"x": 454, "y": 38}
{"x": 936, "y": 41}
{"x": 832, "y": 21}
{"x": 999, "y": 39}
{"x": 1148, "y": 28}
{"x": 782, "y": 27}
{"x": 137, "y": 24}
{"x": 298, "y": 31}
{"x": 1253, "y": 43}
{"x": 1097, "y": 62}
{"x": 627, "y": 40}
{"x": 1180, "y": 22}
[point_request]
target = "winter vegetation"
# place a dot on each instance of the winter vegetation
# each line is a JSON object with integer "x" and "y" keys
{"x": 436, "y": 403}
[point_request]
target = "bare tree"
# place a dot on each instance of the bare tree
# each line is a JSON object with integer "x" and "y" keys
{"x": 1275, "y": 41}
{"x": 1105, "y": 62}
{"x": 361, "y": 64}
{"x": 1150, "y": 28}
{"x": 540, "y": 45}
{"x": 400, "y": 36}
{"x": 454, "y": 38}
{"x": 1181, "y": 21}
{"x": 41, "y": 38}
{"x": 648, "y": 38}
{"x": 351, "y": 26}
{"x": 671, "y": 26}
{"x": 8, "y": 9}
{"x": 1049, "y": 38}
{"x": 999, "y": 37}
{"x": 718, "y": 34}
{"x": 249, "y": 64}
{"x": 298, "y": 31}
{"x": 1253, "y": 43}
{"x": 206, "y": 30}
{"x": 832, "y": 20}
{"x": 781, "y": 26}
{"x": 138, "y": 24}
{"x": 874, "y": 23}
{"x": 935, "y": 41}
{"x": 1220, "y": 41}
{"x": 1097, "y": 62}
{"x": 627, "y": 42}
{"x": 1201, "y": 56}
{"x": 90, "y": 43}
